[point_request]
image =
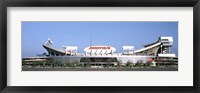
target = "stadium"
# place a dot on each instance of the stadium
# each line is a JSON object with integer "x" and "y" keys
{"x": 102, "y": 55}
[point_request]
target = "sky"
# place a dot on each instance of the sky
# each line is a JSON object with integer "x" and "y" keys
{"x": 84, "y": 34}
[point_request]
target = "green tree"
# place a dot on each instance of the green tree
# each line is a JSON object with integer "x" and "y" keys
{"x": 23, "y": 62}
{"x": 139, "y": 63}
{"x": 49, "y": 62}
{"x": 129, "y": 63}
{"x": 119, "y": 63}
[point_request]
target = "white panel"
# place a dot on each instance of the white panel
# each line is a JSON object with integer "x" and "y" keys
{"x": 182, "y": 15}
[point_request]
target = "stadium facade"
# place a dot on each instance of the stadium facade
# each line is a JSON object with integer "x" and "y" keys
{"x": 104, "y": 55}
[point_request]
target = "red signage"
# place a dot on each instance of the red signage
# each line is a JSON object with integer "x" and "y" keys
{"x": 99, "y": 47}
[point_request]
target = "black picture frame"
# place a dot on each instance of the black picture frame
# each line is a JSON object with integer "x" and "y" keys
{"x": 99, "y": 3}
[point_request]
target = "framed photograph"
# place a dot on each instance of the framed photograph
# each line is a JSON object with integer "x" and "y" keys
{"x": 82, "y": 46}
{"x": 93, "y": 53}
